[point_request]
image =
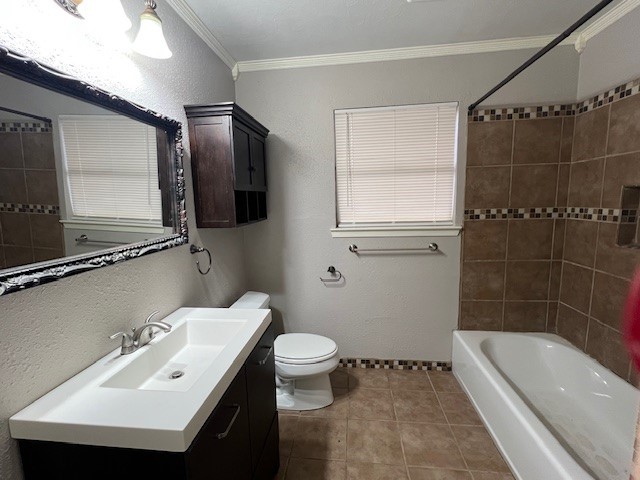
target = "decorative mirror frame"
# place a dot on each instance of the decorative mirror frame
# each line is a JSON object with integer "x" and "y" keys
{"x": 19, "y": 278}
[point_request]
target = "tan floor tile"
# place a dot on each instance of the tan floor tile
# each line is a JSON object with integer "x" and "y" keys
{"x": 438, "y": 474}
{"x": 374, "y": 442}
{"x": 459, "y": 409}
{"x": 417, "y": 406}
{"x": 444, "y": 381}
{"x": 339, "y": 378}
{"x": 478, "y": 449}
{"x": 283, "y": 468}
{"x": 338, "y": 409}
{"x": 287, "y": 429}
{"x": 370, "y": 404}
{"x": 368, "y": 378}
{"x": 320, "y": 438}
{"x": 306, "y": 469}
{"x": 409, "y": 380}
{"x": 491, "y": 476}
{"x": 375, "y": 471}
{"x": 289, "y": 413}
{"x": 430, "y": 445}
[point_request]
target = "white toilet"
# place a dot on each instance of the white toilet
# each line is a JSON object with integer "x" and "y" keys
{"x": 303, "y": 363}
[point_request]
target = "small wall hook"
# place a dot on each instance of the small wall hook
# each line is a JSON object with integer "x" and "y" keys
{"x": 332, "y": 270}
{"x": 193, "y": 249}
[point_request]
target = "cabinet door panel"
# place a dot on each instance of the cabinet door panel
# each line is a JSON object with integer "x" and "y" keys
{"x": 258, "y": 163}
{"x": 241, "y": 157}
{"x": 222, "y": 448}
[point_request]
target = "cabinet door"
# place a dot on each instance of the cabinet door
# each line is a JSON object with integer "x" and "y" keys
{"x": 222, "y": 448}
{"x": 241, "y": 157}
{"x": 261, "y": 392}
{"x": 258, "y": 163}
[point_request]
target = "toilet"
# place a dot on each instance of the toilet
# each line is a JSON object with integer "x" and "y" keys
{"x": 303, "y": 363}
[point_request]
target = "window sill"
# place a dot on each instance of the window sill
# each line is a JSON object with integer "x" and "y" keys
{"x": 415, "y": 231}
{"x": 112, "y": 226}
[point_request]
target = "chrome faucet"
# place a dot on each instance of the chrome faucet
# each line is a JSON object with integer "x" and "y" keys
{"x": 140, "y": 336}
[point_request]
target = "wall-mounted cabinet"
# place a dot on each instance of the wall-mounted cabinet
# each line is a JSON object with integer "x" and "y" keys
{"x": 229, "y": 164}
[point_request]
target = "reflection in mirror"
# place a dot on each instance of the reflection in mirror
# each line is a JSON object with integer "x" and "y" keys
{"x": 76, "y": 178}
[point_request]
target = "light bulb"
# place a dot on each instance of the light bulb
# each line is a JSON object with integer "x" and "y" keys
{"x": 150, "y": 40}
{"x": 107, "y": 15}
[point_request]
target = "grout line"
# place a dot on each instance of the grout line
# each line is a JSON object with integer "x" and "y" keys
{"x": 506, "y": 247}
{"x": 596, "y": 270}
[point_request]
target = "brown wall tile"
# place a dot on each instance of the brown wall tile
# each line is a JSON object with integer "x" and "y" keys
{"x": 13, "y": 188}
{"x": 530, "y": 239}
{"x": 562, "y": 195}
{"x": 525, "y": 316}
{"x": 607, "y": 346}
{"x": 567, "y": 139}
{"x": 487, "y": 187}
{"x": 489, "y": 143}
{"x": 537, "y": 141}
{"x": 485, "y": 239}
{"x": 528, "y": 280}
{"x": 42, "y": 187}
{"x": 580, "y": 242}
{"x": 611, "y": 258}
{"x": 590, "y": 135}
{"x": 609, "y": 294}
{"x": 46, "y": 231}
{"x": 554, "y": 280}
{"x": 15, "y": 229}
{"x": 44, "y": 254}
{"x": 619, "y": 171}
{"x": 482, "y": 280}
{"x": 2, "y": 264}
{"x": 480, "y": 315}
{"x": 624, "y": 126}
{"x": 585, "y": 185}
{"x": 572, "y": 326}
{"x": 16, "y": 256}
{"x": 38, "y": 150}
{"x": 10, "y": 150}
{"x": 534, "y": 186}
{"x": 576, "y": 286}
{"x": 558, "y": 239}
{"x": 552, "y": 317}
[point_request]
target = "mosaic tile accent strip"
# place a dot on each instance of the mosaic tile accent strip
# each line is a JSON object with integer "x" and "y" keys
{"x": 30, "y": 208}
{"x": 581, "y": 213}
{"x": 36, "y": 127}
{"x": 545, "y": 111}
{"x": 395, "y": 364}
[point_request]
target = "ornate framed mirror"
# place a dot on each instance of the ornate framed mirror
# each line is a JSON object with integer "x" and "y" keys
{"x": 87, "y": 179}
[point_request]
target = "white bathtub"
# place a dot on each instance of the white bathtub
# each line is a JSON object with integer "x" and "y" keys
{"x": 555, "y": 413}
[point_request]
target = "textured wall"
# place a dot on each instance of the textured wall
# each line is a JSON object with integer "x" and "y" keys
{"x": 393, "y": 306}
{"x": 49, "y": 333}
{"x": 611, "y": 58}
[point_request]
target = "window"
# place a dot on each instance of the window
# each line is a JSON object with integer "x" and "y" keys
{"x": 111, "y": 168}
{"x": 395, "y": 166}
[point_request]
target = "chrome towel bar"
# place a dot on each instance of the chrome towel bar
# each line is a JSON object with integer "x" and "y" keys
{"x": 82, "y": 239}
{"x": 432, "y": 248}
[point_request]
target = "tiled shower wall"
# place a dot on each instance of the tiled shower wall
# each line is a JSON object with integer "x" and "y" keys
{"x": 542, "y": 212}
{"x": 30, "y": 227}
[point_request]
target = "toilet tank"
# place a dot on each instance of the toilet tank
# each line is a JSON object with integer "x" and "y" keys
{"x": 252, "y": 300}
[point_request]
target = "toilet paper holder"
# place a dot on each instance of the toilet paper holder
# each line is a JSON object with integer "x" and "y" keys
{"x": 332, "y": 270}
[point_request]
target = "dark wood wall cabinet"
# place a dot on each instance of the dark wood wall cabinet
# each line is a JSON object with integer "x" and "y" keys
{"x": 229, "y": 164}
{"x": 239, "y": 440}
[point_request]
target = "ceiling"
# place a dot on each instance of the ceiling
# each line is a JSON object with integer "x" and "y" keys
{"x": 268, "y": 29}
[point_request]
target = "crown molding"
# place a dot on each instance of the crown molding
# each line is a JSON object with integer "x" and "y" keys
{"x": 406, "y": 53}
{"x": 604, "y": 21}
{"x": 189, "y": 16}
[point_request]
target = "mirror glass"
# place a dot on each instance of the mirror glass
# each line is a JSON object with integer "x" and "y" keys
{"x": 76, "y": 178}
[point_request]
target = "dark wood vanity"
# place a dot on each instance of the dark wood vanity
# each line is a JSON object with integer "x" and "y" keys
{"x": 239, "y": 440}
{"x": 229, "y": 164}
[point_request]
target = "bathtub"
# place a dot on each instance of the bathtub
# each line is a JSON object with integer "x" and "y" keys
{"x": 555, "y": 413}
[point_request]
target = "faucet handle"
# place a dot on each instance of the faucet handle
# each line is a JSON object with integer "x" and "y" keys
{"x": 151, "y": 315}
{"x": 128, "y": 344}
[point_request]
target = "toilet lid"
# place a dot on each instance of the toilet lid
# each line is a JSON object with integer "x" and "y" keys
{"x": 301, "y": 348}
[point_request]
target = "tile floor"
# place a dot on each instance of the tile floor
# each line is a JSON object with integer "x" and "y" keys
{"x": 390, "y": 425}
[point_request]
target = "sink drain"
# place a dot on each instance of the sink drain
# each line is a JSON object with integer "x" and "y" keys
{"x": 176, "y": 374}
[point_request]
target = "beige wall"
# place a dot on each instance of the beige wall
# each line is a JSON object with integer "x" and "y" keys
{"x": 399, "y": 306}
{"x": 49, "y": 333}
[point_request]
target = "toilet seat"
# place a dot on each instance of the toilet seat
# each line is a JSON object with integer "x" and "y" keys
{"x": 303, "y": 348}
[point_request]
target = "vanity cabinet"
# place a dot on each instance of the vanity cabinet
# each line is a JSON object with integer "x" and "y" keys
{"x": 239, "y": 440}
{"x": 229, "y": 164}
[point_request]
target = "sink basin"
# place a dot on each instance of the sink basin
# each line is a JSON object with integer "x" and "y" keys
{"x": 132, "y": 401}
{"x": 175, "y": 362}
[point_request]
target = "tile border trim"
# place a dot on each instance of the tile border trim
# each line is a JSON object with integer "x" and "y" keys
{"x": 546, "y": 111}
{"x": 390, "y": 364}
{"x": 579, "y": 213}
{"x": 15, "y": 127}
{"x": 30, "y": 208}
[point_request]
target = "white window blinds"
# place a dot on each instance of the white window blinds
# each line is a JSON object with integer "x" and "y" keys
{"x": 396, "y": 165}
{"x": 111, "y": 166}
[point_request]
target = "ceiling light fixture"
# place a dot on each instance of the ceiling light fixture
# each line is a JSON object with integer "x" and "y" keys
{"x": 150, "y": 40}
{"x": 108, "y": 15}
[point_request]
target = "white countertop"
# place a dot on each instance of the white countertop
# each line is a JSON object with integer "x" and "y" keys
{"x": 83, "y": 411}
